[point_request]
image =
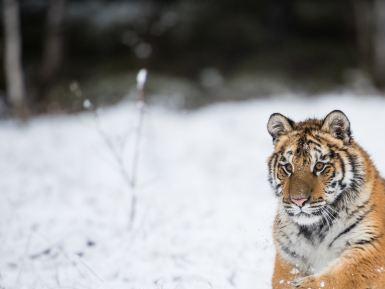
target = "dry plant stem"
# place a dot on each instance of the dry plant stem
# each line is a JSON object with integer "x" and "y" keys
{"x": 115, "y": 153}
{"x": 131, "y": 179}
{"x": 136, "y": 156}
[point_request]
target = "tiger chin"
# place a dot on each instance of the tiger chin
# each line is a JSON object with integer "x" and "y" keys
{"x": 329, "y": 229}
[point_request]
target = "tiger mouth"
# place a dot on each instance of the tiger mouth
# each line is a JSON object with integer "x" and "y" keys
{"x": 305, "y": 212}
{"x": 302, "y": 213}
{"x": 312, "y": 215}
{"x": 306, "y": 219}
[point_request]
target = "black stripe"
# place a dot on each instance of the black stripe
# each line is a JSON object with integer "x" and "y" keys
{"x": 370, "y": 241}
{"x": 358, "y": 179}
{"x": 334, "y": 172}
{"x": 313, "y": 142}
{"x": 284, "y": 235}
{"x": 317, "y": 150}
{"x": 348, "y": 229}
{"x": 352, "y": 162}
{"x": 339, "y": 157}
{"x": 271, "y": 160}
{"x": 356, "y": 210}
{"x": 275, "y": 161}
{"x": 306, "y": 232}
{"x": 288, "y": 251}
{"x": 318, "y": 138}
{"x": 324, "y": 157}
{"x": 272, "y": 168}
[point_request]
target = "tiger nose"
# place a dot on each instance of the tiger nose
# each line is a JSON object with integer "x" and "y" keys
{"x": 299, "y": 201}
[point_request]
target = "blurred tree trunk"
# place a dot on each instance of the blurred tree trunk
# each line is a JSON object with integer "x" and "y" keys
{"x": 16, "y": 94}
{"x": 52, "y": 49}
{"x": 370, "y": 34}
{"x": 379, "y": 42}
{"x": 280, "y": 16}
{"x": 364, "y": 31}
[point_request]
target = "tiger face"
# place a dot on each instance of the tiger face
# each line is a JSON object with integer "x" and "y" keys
{"x": 314, "y": 169}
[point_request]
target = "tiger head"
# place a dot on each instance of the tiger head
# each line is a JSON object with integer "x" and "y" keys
{"x": 316, "y": 167}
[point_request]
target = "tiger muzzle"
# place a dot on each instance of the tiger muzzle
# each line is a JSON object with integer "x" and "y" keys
{"x": 301, "y": 186}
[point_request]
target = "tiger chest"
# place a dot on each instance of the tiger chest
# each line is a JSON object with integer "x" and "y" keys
{"x": 310, "y": 252}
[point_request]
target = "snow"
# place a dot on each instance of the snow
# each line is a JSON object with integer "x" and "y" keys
{"x": 205, "y": 208}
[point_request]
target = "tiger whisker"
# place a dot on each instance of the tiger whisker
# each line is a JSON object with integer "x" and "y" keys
{"x": 326, "y": 218}
{"x": 331, "y": 216}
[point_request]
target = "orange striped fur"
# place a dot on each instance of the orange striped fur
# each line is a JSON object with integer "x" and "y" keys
{"x": 329, "y": 229}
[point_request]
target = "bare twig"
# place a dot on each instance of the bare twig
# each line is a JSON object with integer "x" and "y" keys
{"x": 141, "y": 81}
{"x": 130, "y": 178}
{"x": 116, "y": 154}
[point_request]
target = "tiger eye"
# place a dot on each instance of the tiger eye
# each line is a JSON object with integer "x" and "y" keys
{"x": 319, "y": 166}
{"x": 289, "y": 168}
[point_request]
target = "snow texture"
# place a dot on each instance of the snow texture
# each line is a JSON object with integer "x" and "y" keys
{"x": 205, "y": 208}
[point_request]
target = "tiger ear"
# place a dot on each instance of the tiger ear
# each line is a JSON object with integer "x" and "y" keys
{"x": 337, "y": 124}
{"x": 278, "y": 125}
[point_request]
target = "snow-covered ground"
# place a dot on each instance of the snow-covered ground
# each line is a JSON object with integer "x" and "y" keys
{"x": 205, "y": 208}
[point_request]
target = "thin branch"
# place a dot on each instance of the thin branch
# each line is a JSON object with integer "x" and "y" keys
{"x": 114, "y": 152}
{"x": 131, "y": 179}
{"x": 141, "y": 81}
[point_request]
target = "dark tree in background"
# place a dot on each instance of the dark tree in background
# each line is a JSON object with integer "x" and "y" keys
{"x": 370, "y": 32}
{"x": 52, "y": 48}
{"x": 363, "y": 26}
{"x": 16, "y": 95}
{"x": 306, "y": 45}
{"x": 379, "y": 42}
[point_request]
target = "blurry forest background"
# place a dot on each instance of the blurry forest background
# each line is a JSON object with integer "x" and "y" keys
{"x": 56, "y": 53}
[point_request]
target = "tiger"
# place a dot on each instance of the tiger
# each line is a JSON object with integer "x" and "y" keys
{"x": 329, "y": 227}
